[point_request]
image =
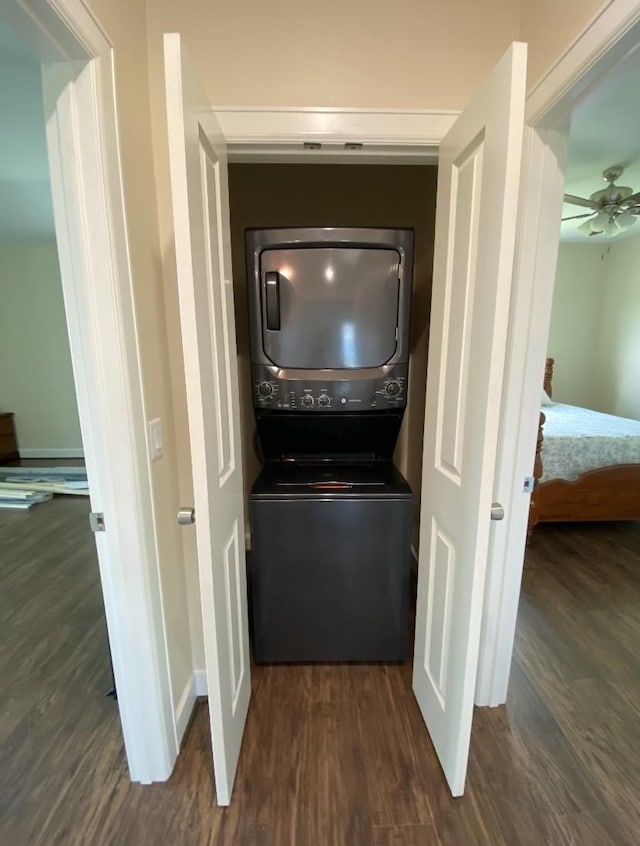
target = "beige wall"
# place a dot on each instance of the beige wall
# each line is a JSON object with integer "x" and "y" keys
{"x": 410, "y": 53}
{"x": 617, "y": 383}
{"x": 339, "y": 195}
{"x": 36, "y": 379}
{"x": 595, "y": 327}
{"x": 575, "y": 321}
{"x": 125, "y": 23}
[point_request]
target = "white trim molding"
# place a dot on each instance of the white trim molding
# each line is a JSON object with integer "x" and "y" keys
{"x": 185, "y": 706}
{"x": 607, "y": 38}
{"x": 334, "y": 153}
{"x": 543, "y": 185}
{"x": 389, "y": 127}
{"x": 57, "y": 30}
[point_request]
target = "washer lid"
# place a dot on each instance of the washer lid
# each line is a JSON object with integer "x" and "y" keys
{"x": 280, "y": 480}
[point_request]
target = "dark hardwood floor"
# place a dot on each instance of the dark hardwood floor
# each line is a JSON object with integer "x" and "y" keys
{"x": 332, "y": 754}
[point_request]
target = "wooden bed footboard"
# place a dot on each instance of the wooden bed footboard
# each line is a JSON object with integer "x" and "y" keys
{"x": 608, "y": 493}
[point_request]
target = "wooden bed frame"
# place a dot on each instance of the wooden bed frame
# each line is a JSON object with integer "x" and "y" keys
{"x": 609, "y": 493}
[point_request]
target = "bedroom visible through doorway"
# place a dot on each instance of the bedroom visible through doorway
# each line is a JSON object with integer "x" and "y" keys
{"x": 576, "y": 643}
{"x": 589, "y": 456}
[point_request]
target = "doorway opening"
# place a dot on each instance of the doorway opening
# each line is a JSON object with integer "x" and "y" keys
{"x": 580, "y": 588}
{"x": 73, "y": 62}
{"x": 478, "y": 176}
{"x": 57, "y": 663}
{"x": 316, "y": 192}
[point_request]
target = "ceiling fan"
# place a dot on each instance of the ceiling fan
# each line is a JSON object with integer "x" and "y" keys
{"x": 613, "y": 209}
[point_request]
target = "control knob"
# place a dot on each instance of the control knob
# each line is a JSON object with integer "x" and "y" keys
{"x": 265, "y": 389}
{"x": 307, "y": 401}
{"x": 324, "y": 399}
{"x": 392, "y": 389}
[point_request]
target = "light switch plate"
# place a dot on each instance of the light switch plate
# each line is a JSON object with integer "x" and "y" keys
{"x": 155, "y": 438}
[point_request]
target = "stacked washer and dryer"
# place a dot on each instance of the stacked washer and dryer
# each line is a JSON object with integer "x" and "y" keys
{"x": 330, "y": 514}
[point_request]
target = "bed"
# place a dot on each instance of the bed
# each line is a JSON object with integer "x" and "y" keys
{"x": 587, "y": 464}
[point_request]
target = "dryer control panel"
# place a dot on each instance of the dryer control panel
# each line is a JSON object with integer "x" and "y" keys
{"x": 318, "y": 391}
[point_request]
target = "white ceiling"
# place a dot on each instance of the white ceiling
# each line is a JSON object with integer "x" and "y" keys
{"x": 26, "y": 213}
{"x": 605, "y": 131}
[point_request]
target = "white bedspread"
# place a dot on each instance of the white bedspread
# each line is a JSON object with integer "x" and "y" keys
{"x": 578, "y": 439}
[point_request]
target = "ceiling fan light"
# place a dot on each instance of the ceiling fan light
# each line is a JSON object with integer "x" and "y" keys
{"x": 586, "y": 227}
{"x": 625, "y": 220}
{"x": 611, "y": 228}
{"x": 600, "y": 221}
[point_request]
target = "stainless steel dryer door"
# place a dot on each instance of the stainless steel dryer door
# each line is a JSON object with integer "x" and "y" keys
{"x": 329, "y": 308}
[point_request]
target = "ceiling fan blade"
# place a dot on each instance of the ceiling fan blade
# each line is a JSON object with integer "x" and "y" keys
{"x": 633, "y": 200}
{"x": 577, "y": 216}
{"x": 580, "y": 201}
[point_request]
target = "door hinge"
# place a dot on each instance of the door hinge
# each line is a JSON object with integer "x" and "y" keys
{"x": 528, "y": 484}
{"x": 96, "y": 521}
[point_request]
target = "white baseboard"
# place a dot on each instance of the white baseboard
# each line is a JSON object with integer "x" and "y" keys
{"x": 196, "y": 686}
{"x": 44, "y": 452}
{"x": 185, "y": 707}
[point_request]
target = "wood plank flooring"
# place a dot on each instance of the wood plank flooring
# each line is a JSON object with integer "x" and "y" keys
{"x": 332, "y": 755}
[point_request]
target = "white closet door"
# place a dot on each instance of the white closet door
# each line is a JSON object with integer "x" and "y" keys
{"x": 478, "y": 177}
{"x": 200, "y": 198}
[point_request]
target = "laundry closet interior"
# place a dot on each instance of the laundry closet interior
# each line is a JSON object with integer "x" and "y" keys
{"x": 349, "y": 195}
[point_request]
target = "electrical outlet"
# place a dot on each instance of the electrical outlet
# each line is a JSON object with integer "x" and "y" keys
{"x": 155, "y": 438}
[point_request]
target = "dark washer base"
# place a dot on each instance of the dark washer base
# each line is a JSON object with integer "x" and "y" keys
{"x": 330, "y": 567}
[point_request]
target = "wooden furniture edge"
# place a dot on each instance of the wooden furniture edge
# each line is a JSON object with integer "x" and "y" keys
{"x": 537, "y": 463}
{"x": 8, "y": 441}
{"x": 537, "y": 475}
{"x": 607, "y": 493}
{"x": 548, "y": 376}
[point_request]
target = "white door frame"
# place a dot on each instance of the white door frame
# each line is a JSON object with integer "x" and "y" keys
{"x": 388, "y": 134}
{"x": 84, "y": 158}
{"x": 604, "y": 42}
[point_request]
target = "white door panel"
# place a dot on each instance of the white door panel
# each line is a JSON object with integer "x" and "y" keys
{"x": 478, "y": 173}
{"x": 198, "y": 165}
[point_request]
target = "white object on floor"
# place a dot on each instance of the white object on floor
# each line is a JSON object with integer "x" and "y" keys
{"x": 23, "y": 500}
{"x": 7, "y": 488}
{"x": 78, "y": 484}
{"x": 70, "y": 472}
